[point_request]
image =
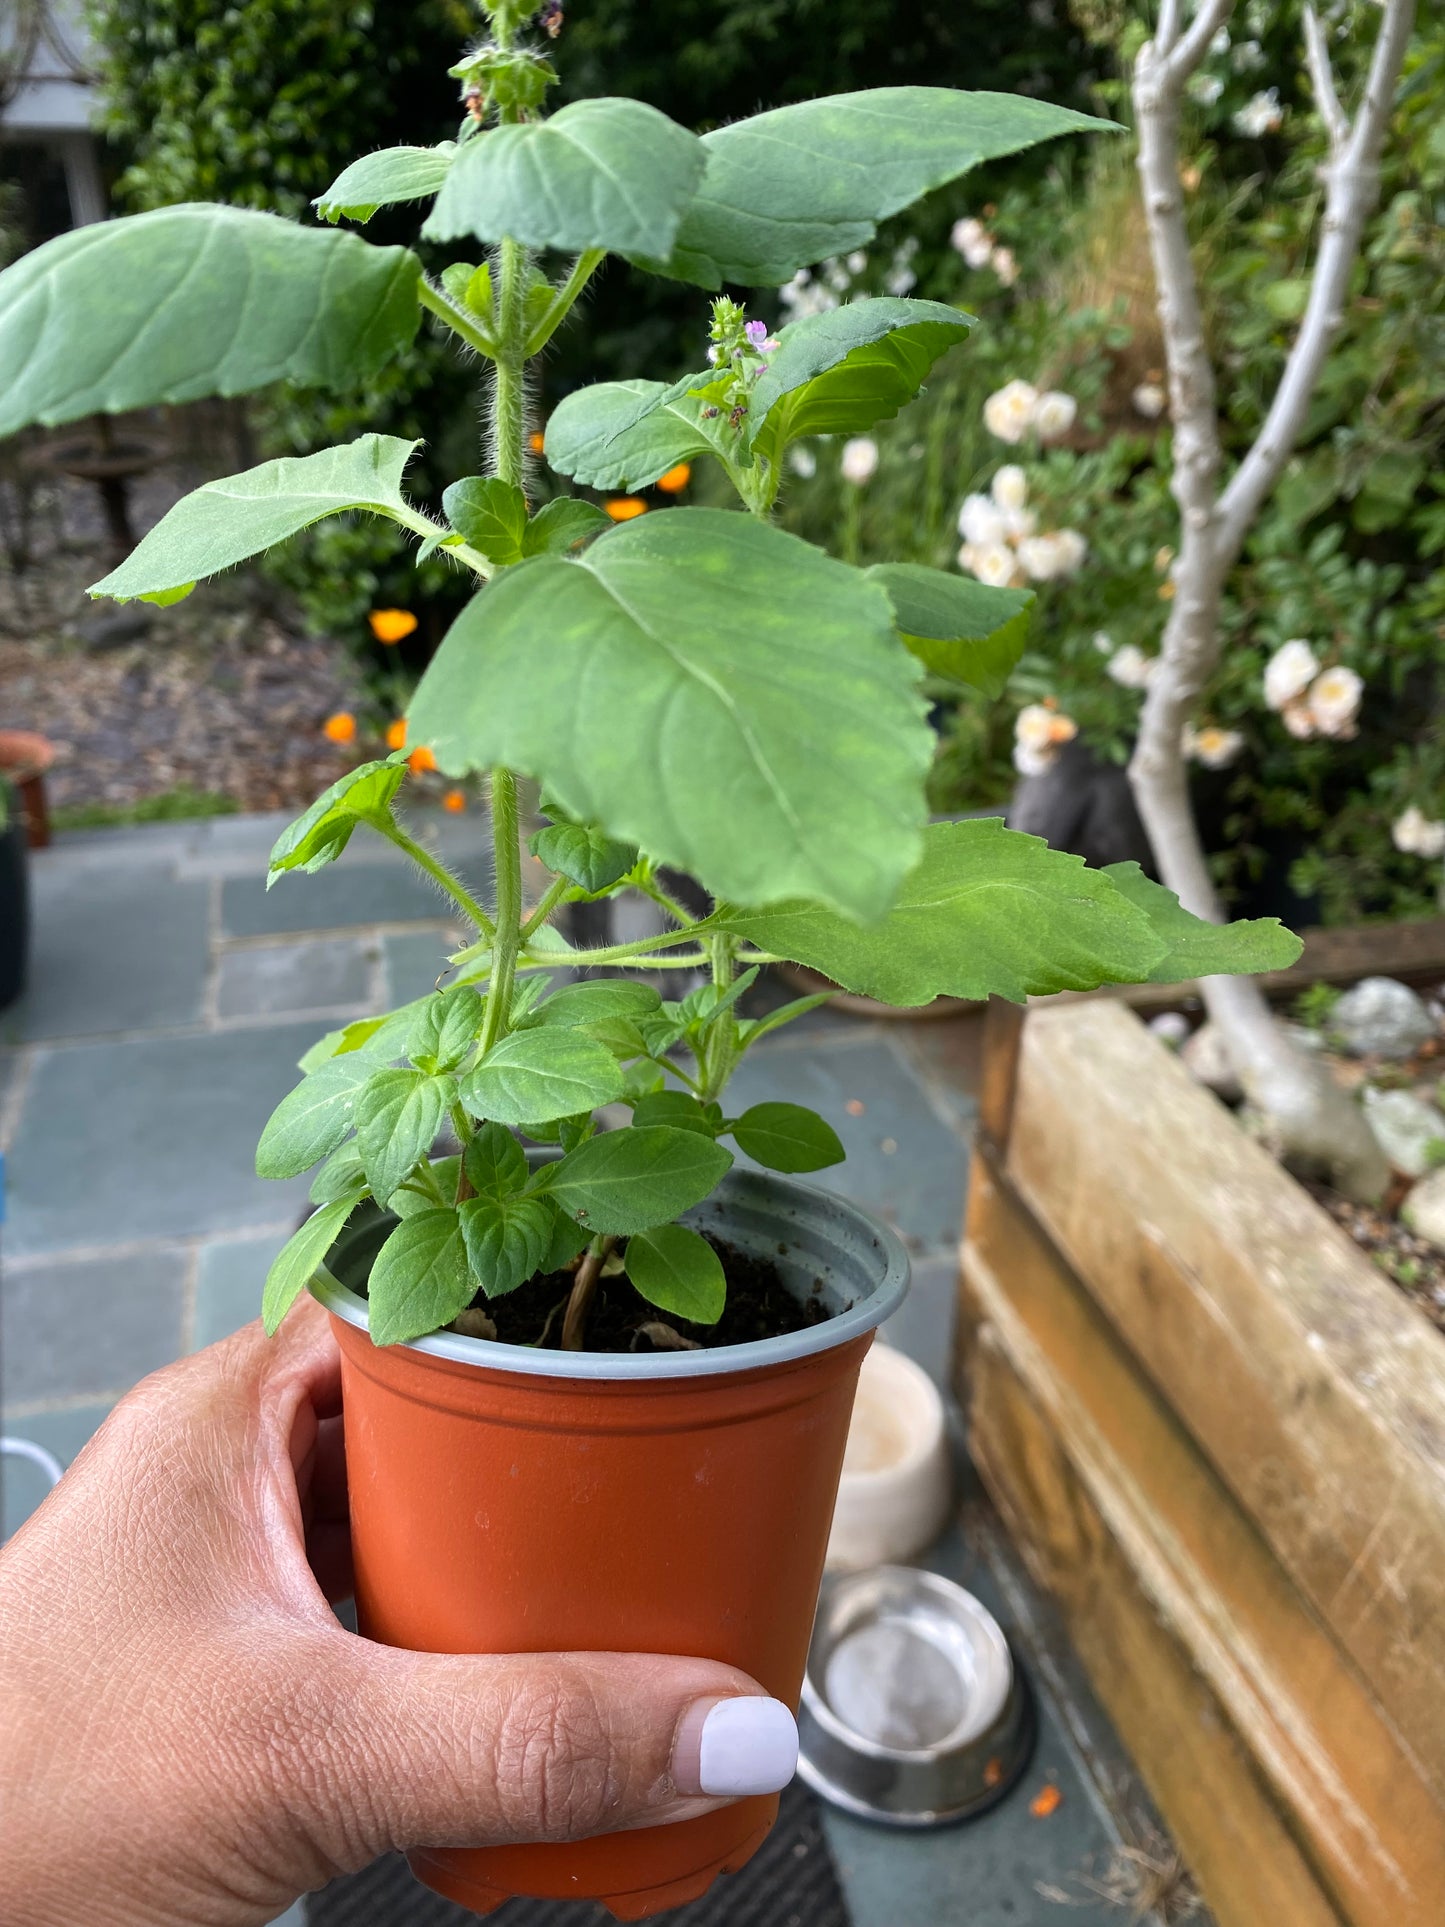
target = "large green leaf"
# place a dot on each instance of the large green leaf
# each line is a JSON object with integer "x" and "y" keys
{"x": 420, "y": 1279}
{"x": 534, "y": 1076}
{"x": 195, "y": 300}
{"x": 787, "y": 1137}
{"x": 678, "y": 1271}
{"x": 624, "y": 434}
{"x": 1198, "y": 948}
{"x": 588, "y": 857}
{"x": 507, "y": 1240}
{"x": 627, "y": 1181}
{"x": 957, "y": 627}
{"x": 790, "y": 187}
{"x": 988, "y": 912}
{"x": 838, "y": 372}
{"x": 319, "y": 835}
{"x": 710, "y": 688}
{"x": 491, "y": 514}
{"x": 294, "y": 1265}
{"x": 309, "y": 1123}
{"x": 600, "y": 173}
{"x": 382, "y": 179}
{"x": 398, "y": 1114}
{"x": 224, "y": 522}
{"x": 494, "y": 1162}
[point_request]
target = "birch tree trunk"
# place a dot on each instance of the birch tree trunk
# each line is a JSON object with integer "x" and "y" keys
{"x": 1310, "y": 1118}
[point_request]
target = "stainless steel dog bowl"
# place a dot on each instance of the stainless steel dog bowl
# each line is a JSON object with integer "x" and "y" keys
{"x": 913, "y": 1712}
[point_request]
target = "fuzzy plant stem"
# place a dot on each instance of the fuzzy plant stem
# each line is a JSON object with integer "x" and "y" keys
{"x": 584, "y": 1289}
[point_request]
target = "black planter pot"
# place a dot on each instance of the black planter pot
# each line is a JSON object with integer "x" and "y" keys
{"x": 14, "y": 898}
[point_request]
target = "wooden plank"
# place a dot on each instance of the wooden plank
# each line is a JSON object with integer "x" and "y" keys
{"x": 1338, "y": 1770}
{"x": 1231, "y": 1832}
{"x": 1002, "y": 1037}
{"x": 1312, "y": 1386}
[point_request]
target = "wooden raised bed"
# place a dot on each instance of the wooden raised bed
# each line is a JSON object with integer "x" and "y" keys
{"x": 1218, "y": 1434}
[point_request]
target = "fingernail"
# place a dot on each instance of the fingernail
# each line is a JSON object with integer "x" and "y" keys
{"x": 732, "y": 1747}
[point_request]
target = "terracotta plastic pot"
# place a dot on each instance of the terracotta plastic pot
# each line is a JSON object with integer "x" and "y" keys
{"x": 511, "y": 1500}
{"x": 25, "y": 756}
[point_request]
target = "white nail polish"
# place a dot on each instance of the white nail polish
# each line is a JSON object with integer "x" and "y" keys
{"x": 748, "y": 1746}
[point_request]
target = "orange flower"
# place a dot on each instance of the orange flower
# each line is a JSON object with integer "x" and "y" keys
{"x": 675, "y": 480}
{"x": 391, "y": 625}
{"x": 1047, "y": 1800}
{"x": 340, "y": 728}
{"x": 536, "y": 441}
{"x": 622, "y": 508}
{"x": 420, "y": 759}
{"x": 396, "y": 734}
{"x": 455, "y": 801}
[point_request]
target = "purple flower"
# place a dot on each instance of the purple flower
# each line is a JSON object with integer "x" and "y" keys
{"x": 757, "y": 333}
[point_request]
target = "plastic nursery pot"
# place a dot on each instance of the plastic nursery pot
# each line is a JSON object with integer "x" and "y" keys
{"x": 25, "y": 756}
{"x": 14, "y": 898}
{"x": 505, "y": 1499}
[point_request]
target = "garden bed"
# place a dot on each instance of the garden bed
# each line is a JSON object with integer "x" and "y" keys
{"x": 1218, "y": 1432}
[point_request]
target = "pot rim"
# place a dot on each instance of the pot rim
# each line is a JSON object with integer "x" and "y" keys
{"x": 862, "y": 1317}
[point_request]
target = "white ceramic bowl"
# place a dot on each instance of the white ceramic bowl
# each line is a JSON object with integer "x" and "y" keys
{"x": 894, "y": 1496}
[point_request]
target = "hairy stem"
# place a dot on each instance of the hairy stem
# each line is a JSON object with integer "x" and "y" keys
{"x": 565, "y": 299}
{"x": 584, "y": 1289}
{"x": 556, "y": 890}
{"x": 438, "y": 873}
{"x": 509, "y": 906}
{"x": 456, "y": 317}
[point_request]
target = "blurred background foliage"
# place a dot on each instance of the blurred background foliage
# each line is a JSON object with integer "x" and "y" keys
{"x": 263, "y": 104}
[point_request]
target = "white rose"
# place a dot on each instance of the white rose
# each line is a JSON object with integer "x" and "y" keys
{"x": 1215, "y": 748}
{"x": 1205, "y": 88}
{"x": 995, "y": 564}
{"x": 1260, "y": 115}
{"x": 802, "y": 461}
{"x": 1130, "y": 667}
{"x": 1289, "y": 672}
{"x": 1298, "y": 720}
{"x": 1072, "y": 549}
{"x": 860, "y": 460}
{"x": 1010, "y": 487}
{"x": 1149, "y": 400}
{"x": 1008, "y": 412}
{"x": 973, "y": 241}
{"x": 1017, "y": 523}
{"x": 1247, "y": 58}
{"x": 1417, "y": 834}
{"x": 1032, "y": 762}
{"x": 1054, "y": 414}
{"x": 981, "y": 520}
{"x": 1334, "y": 701}
{"x": 857, "y": 261}
{"x": 1002, "y": 261}
{"x": 1034, "y": 726}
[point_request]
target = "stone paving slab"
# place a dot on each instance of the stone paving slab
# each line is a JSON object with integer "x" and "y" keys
{"x": 413, "y": 961}
{"x": 90, "y": 1327}
{"x": 230, "y": 1274}
{"x": 325, "y": 975}
{"x": 337, "y": 898}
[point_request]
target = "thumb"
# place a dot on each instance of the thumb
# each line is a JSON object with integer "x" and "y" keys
{"x": 441, "y": 1750}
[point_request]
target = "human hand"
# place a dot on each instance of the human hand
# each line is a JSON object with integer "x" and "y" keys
{"x": 190, "y": 1739}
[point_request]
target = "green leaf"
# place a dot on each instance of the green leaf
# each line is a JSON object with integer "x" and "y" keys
{"x": 599, "y": 173}
{"x": 340, "y": 1177}
{"x": 678, "y": 1109}
{"x": 534, "y": 1076}
{"x": 449, "y": 1025}
{"x": 294, "y": 1265}
{"x": 703, "y": 1006}
{"x": 584, "y": 855}
{"x": 1198, "y": 948}
{"x": 507, "y": 1240}
{"x": 790, "y": 187}
{"x": 340, "y": 1043}
{"x": 195, "y": 300}
{"x": 224, "y": 522}
{"x": 627, "y": 1181}
{"x": 839, "y": 372}
{"x": 733, "y": 661}
{"x": 320, "y": 834}
{"x": 420, "y": 1279}
{"x": 597, "y": 1001}
{"x": 678, "y": 1271}
{"x": 558, "y": 527}
{"x": 495, "y": 1164}
{"x": 958, "y": 628}
{"x": 567, "y": 1240}
{"x": 787, "y": 1137}
{"x": 624, "y": 434}
{"x": 988, "y": 912}
{"x": 398, "y": 1115}
{"x": 382, "y": 179}
{"x": 752, "y": 1031}
{"x": 309, "y": 1123}
{"x": 491, "y": 514}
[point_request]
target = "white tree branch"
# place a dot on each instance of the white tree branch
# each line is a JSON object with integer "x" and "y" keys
{"x": 1186, "y": 56}
{"x": 1352, "y": 188}
{"x": 1322, "y": 79}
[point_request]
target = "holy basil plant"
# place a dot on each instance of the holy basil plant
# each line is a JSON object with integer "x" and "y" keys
{"x": 696, "y": 691}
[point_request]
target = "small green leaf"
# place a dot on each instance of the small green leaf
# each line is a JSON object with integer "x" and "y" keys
{"x": 340, "y": 1043}
{"x": 680, "y": 1109}
{"x": 599, "y": 173}
{"x": 398, "y": 1115}
{"x": 533, "y": 1076}
{"x": 1198, "y": 948}
{"x": 568, "y": 1238}
{"x": 584, "y": 855}
{"x": 957, "y": 628}
{"x": 420, "y": 1279}
{"x": 703, "y": 1006}
{"x": 320, "y": 834}
{"x": 491, "y": 514}
{"x": 678, "y": 1271}
{"x": 752, "y": 1031}
{"x": 340, "y": 1177}
{"x": 226, "y": 521}
{"x": 507, "y": 1240}
{"x": 629, "y": 1180}
{"x": 449, "y": 1025}
{"x": 787, "y": 1137}
{"x": 294, "y": 1265}
{"x": 624, "y": 434}
{"x": 558, "y": 527}
{"x": 495, "y": 1164}
{"x": 597, "y": 1000}
{"x": 384, "y": 178}
{"x": 309, "y": 1123}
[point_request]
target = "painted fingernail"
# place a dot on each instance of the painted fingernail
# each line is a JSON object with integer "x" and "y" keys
{"x": 733, "y": 1747}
